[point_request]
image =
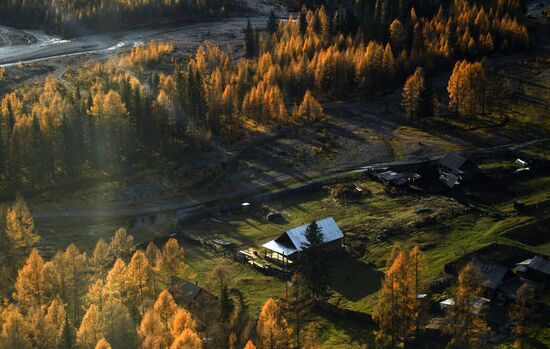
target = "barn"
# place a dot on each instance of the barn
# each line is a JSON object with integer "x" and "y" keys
{"x": 289, "y": 244}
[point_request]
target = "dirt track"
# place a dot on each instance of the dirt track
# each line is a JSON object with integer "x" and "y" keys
{"x": 222, "y": 32}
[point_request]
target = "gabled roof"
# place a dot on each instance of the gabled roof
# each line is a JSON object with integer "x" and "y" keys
{"x": 540, "y": 264}
{"x": 291, "y": 241}
{"x": 452, "y": 161}
{"x": 493, "y": 272}
{"x": 280, "y": 248}
{"x": 328, "y": 227}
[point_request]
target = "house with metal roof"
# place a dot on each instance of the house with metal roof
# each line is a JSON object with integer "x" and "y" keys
{"x": 290, "y": 243}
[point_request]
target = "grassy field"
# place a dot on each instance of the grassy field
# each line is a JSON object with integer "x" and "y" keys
{"x": 356, "y": 279}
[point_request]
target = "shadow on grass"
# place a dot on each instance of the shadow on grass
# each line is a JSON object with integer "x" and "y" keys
{"x": 354, "y": 279}
{"x": 342, "y": 332}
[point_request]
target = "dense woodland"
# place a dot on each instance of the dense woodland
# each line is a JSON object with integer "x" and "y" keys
{"x": 68, "y": 17}
{"x": 125, "y": 110}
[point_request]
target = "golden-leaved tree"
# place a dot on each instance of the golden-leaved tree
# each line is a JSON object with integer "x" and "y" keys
{"x": 103, "y": 344}
{"x": 90, "y": 331}
{"x": 122, "y": 244}
{"x": 138, "y": 281}
{"x": 467, "y": 88}
{"x": 20, "y": 228}
{"x": 272, "y": 328}
{"x": 309, "y": 109}
{"x": 524, "y": 317}
{"x": 47, "y": 324}
{"x": 165, "y": 325}
{"x": 188, "y": 339}
{"x": 15, "y": 329}
{"x": 101, "y": 258}
{"x": 30, "y": 286}
{"x": 398, "y": 312}
{"x": 249, "y": 345}
{"x": 466, "y": 326}
{"x": 172, "y": 260}
{"x": 412, "y": 92}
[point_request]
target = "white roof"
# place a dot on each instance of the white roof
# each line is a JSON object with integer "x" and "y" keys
{"x": 525, "y": 262}
{"x": 279, "y": 248}
{"x": 328, "y": 227}
{"x": 447, "y": 302}
{"x": 477, "y": 303}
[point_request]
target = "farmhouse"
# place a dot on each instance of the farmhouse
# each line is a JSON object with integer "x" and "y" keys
{"x": 455, "y": 168}
{"x": 289, "y": 244}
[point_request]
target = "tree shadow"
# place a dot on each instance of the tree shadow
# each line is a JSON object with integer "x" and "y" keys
{"x": 354, "y": 279}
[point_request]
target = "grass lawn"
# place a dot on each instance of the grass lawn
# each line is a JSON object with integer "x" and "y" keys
{"x": 256, "y": 287}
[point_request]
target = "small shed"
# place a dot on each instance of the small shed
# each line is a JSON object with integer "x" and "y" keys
{"x": 189, "y": 294}
{"x": 197, "y": 300}
{"x": 289, "y": 244}
{"x": 397, "y": 179}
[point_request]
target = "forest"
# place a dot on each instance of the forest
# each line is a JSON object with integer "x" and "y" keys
{"x": 151, "y": 103}
{"x": 123, "y": 111}
{"x": 72, "y": 17}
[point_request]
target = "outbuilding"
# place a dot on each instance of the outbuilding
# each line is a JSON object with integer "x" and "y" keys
{"x": 536, "y": 269}
{"x": 189, "y": 294}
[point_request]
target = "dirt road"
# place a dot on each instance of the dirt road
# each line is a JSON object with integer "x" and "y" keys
{"x": 223, "y": 32}
{"x": 184, "y": 206}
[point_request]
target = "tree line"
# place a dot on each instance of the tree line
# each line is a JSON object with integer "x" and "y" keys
{"x": 474, "y": 88}
{"x": 127, "y": 110}
{"x": 71, "y": 17}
